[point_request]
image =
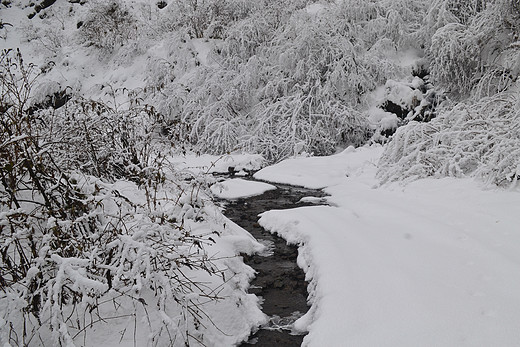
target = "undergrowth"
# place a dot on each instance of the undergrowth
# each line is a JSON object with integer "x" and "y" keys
{"x": 479, "y": 139}
{"x": 95, "y": 223}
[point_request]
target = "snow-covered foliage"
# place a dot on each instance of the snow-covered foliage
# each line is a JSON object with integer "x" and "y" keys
{"x": 287, "y": 82}
{"x": 279, "y": 78}
{"x": 205, "y": 18}
{"x": 475, "y": 46}
{"x": 108, "y": 25}
{"x": 473, "y": 139}
{"x": 96, "y": 226}
{"x": 274, "y": 77}
{"x": 475, "y": 56}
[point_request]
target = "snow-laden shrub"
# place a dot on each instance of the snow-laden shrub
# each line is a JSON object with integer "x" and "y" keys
{"x": 216, "y": 110}
{"x": 96, "y": 225}
{"x": 108, "y": 25}
{"x": 499, "y": 32}
{"x": 500, "y": 78}
{"x": 100, "y": 140}
{"x": 371, "y": 21}
{"x": 480, "y": 139}
{"x": 283, "y": 64}
{"x": 474, "y": 48}
{"x": 307, "y": 78}
{"x": 473, "y": 52}
{"x": 246, "y": 36}
{"x": 464, "y": 10}
{"x": 205, "y": 18}
{"x": 443, "y": 12}
{"x": 180, "y": 58}
{"x": 311, "y": 53}
{"x": 301, "y": 123}
{"x": 47, "y": 37}
{"x": 455, "y": 57}
{"x": 104, "y": 247}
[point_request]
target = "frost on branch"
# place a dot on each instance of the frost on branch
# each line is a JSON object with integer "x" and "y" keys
{"x": 108, "y": 25}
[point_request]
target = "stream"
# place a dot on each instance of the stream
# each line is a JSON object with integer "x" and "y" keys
{"x": 279, "y": 281}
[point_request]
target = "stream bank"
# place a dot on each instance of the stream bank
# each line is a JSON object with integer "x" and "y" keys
{"x": 279, "y": 281}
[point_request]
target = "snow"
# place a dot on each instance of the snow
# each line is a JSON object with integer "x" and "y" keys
{"x": 320, "y": 172}
{"x": 203, "y": 47}
{"x": 240, "y": 188}
{"x": 314, "y": 9}
{"x": 382, "y": 120}
{"x": 433, "y": 263}
{"x": 402, "y": 94}
{"x": 207, "y": 163}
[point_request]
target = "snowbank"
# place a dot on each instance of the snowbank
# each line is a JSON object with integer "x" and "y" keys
{"x": 207, "y": 163}
{"x": 239, "y": 188}
{"x": 320, "y": 172}
{"x": 435, "y": 263}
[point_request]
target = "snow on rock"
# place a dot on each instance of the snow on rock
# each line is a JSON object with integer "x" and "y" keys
{"x": 383, "y": 122}
{"x": 239, "y": 188}
{"x": 435, "y": 263}
{"x": 403, "y": 94}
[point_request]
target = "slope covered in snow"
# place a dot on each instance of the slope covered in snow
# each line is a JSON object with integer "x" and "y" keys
{"x": 433, "y": 263}
{"x": 239, "y": 188}
{"x": 127, "y": 102}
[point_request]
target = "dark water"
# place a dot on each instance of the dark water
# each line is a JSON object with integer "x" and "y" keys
{"x": 279, "y": 281}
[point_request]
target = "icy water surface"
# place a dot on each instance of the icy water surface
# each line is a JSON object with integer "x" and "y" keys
{"x": 279, "y": 281}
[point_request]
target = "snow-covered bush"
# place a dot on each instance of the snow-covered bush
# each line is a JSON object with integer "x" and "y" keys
{"x": 499, "y": 31}
{"x": 245, "y": 37}
{"x": 312, "y": 53}
{"x": 286, "y": 79}
{"x": 283, "y": 92}
{"x": 443, "y": 12}
{"x": 205, "y": 18}
{"x": 217, "y": 111}
{"x": 95, "y": 224}
{"x": 456, "y": 57}
{"x": 479, "y": 139}
{"x": 464, "y": 10}
{"x": 474, "y": 48}
{"x": 474, "y": 55}
{"x": 372, "y": 21}
{"x": 108, "y": 25}
{"x": 99, "y": 140}
{"x": 301, "y": 123}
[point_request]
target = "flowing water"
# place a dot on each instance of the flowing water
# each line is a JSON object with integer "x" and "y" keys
{"x": 279, "y": 281}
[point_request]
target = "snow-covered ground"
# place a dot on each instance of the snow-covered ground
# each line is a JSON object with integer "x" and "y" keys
{"x": 239, "y": 188}
{"x": 433, "y": 263}
{"x": 206, "y": 163}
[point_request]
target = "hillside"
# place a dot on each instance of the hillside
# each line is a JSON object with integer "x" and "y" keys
{"x": 115, "y": 114}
